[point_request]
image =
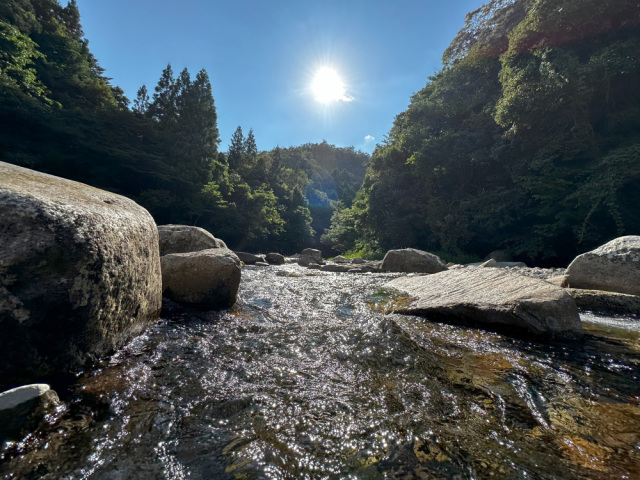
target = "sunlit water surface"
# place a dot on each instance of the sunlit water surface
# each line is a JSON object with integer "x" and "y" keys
{"x": 308, "y": 377}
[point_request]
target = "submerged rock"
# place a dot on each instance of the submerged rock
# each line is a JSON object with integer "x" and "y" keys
{"x": 208, "y": 278}
{"x": 23, "y": 408}
{"x": 410, "y": 260}
{"x": 79, "y": 273}
{"x": 184, "y": 238}
{"x": 612, "y": 267}
{"x": 494, "y": 298}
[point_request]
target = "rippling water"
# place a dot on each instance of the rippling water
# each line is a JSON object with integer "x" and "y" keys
{"x": 307, "y": 377}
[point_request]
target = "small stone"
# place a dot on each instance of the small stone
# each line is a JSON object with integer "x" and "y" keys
{"x": 23, "y": 408}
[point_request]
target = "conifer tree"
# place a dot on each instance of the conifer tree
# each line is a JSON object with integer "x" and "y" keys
{"x": 236, "y": 149}
{"x": 141, "y": 103}
{"x": 163, "y": 108}
{"x": 250, "y": 147}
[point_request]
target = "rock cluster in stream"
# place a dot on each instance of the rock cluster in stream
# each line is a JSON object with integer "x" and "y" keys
{"x": 198, "y": 269}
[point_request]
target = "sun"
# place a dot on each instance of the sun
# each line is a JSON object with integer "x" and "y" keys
{"x": 328, "y": 87}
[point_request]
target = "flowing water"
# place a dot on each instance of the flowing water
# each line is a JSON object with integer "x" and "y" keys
{"x": 308, "y": 377}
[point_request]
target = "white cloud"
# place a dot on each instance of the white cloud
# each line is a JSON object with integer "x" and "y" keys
{"x": 369, "y": 138}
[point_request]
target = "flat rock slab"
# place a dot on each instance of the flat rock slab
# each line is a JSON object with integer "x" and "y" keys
{"x": 493, "y": 298}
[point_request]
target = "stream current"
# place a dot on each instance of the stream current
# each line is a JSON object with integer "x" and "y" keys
{"x": 309, "y": 377}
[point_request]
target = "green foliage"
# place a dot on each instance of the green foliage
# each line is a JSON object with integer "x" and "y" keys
{"x": 526, "y": 140}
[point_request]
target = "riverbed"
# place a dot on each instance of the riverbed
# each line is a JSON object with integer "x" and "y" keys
{"x": 309, "y": 376}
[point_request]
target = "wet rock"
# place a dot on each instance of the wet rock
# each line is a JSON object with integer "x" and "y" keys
{"x": 358, "y": 261}
{"x": 606, "y": 302}
{"x": 364, "y": 269}
{"x": 23, "y": 408}
{"x": 185, "y": 238}
{"x": 249, "y": 258}
{"x": 332, "y": 267}
{"x": 493, "y": 298}
{"x": 79, "y": 273}
{"x": 499, "y": 256}
{"x": 314, "y": 266}
{"x": 512, "y": 265}
{"x": 410, "y": 260}
{"x": 612, "y": 267}
{"x": 208, "y": 278}
{"x": 275, "y": 259}
{"x": 491, "y": 263}
{"x": 340, "y": 259}
{"x": 309, "y": 256}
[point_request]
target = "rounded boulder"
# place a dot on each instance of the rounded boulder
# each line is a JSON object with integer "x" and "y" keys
{"x": 79, "y": 273}
{"x": 185, "y": 238}
{"x": 410, "y": 260}
{"x": 207, "y": 279}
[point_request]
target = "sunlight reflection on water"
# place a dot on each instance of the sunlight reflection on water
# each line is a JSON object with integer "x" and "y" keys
{"x": 307, "y": 378}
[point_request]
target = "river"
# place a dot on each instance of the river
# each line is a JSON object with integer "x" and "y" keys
{"x": 309, "y": 376}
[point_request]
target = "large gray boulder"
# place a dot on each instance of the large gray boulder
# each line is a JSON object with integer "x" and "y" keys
{"x": 79, "y": 273}
{"x": 208, "y": 278}
{"x": 494, "y": 298}
{"x": 184, "y": 238}
{"x": 410, "y": 260}
{"x": 613, "y": 267}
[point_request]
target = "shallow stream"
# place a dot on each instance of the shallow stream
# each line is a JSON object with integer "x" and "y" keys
{"x": 308, "y": 377}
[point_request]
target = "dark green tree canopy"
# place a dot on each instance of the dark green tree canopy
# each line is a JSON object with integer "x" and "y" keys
{"x": 527, "y": 140}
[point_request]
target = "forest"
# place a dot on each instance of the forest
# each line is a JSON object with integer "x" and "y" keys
{"x": 527, "y": 140}
{"x": 59, "y": 114}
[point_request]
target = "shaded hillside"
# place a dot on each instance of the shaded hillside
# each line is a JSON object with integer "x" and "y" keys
{"x": 59, "y": 114}
{"x": 528, "y": 139}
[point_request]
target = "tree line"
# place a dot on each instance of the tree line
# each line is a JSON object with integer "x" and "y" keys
{"x": 60, "y": 114}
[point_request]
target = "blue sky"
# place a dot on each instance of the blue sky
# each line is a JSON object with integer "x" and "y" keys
{"x": 262, "y": 55}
